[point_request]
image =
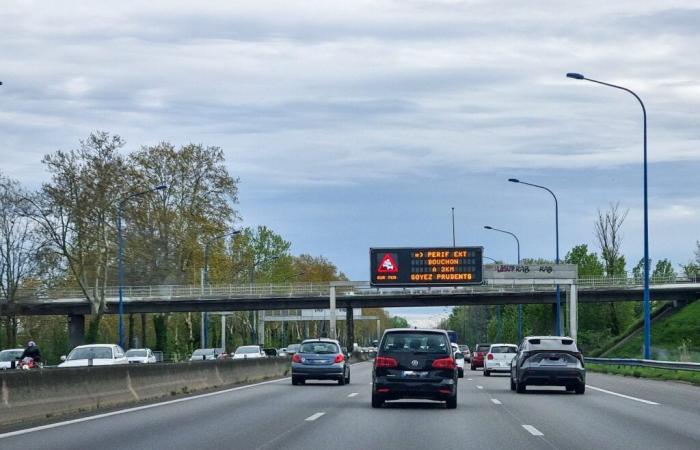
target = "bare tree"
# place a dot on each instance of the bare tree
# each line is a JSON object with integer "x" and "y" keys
{"x": 19, "y": 249}
{"x": 608, "y": 231}
{"x": 608, "y": 228}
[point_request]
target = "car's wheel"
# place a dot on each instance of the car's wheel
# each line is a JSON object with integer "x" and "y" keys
{"x": 487, "y": 373}
{"x": 295, "y": 381}
{"x": 580, "y": 389}
{"x": 512, "y": 384}
{"x": 347, "y": 378}
{"x": 519, "y": 387}
{"x": 473, "y": 367}
{"x": 570, "y": 388}
{"x": 452, "y": 402}
{"x": 341, "y": 380}
{"x": 460, "y": 373}
{"x": 377, "y": 401}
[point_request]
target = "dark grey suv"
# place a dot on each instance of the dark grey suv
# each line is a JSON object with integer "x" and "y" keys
{"x": 414, "y": 363}
{"x": 548, "y": 361}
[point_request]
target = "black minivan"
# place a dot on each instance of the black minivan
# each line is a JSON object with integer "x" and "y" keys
{"x": 414, "y": 363}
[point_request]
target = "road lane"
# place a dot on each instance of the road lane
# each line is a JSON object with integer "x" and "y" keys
{"x": 323, "y": 415}
{"x": 601, "y": 420}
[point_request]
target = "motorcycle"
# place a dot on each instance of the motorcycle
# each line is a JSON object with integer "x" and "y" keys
{"x": 28, "y": 363}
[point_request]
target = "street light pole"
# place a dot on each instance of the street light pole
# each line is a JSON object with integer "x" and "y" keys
{"x": 120, "y": 212}
{"x": 204, "y": 338}
{"x": 557, "y": 320}
{"x": 647, "y": 296}
{"x": 454, "y": 244}
{"x": 520, "y": 306}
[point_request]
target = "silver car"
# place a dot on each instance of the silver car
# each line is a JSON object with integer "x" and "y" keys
{"x": 320, "y": 359}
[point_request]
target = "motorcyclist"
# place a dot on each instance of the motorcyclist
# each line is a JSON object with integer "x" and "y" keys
{"x": 32, "y": 351}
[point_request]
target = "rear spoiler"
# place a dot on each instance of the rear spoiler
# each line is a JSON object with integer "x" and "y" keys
{"x": 539, "y": 341}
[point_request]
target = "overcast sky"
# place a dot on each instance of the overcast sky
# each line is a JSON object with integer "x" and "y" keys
{"x": 354, "y": 124}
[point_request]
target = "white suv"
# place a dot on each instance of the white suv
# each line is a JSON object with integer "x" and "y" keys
{"x": 499, "y": 357}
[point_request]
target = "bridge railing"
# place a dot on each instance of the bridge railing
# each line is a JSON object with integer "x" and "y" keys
{"x": 213, "y": 291}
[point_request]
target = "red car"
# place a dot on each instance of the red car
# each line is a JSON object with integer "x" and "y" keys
{"x": 478, "y": 355}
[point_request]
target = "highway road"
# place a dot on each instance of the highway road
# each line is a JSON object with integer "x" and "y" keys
{"x": 615, "y": 413}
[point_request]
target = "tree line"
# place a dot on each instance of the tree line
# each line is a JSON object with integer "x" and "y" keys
{"x": 64, "y": 234}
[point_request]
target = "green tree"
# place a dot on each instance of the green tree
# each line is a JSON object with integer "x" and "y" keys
{"x": 588, "y": 263}
{"x": 664, "y": 271}
{"x": 399, "y": 322}
{"x": 76, "y": 212}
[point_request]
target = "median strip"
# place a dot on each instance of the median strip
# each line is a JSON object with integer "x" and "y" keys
{"x": 313, "y": 417}
{"x": 533, "y": 431}
{"x": 629, "y": 397}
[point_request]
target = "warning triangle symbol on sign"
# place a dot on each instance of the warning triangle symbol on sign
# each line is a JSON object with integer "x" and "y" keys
{"x": 388, "y": 265}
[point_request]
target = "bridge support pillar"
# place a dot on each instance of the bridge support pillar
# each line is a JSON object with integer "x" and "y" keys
{"x": 350, "y": 324}
{"x": 261, "y": 328}
{"x": 76, "y": 330}
{"x": 573, "y": 311}
{"x": 333, "y": 334}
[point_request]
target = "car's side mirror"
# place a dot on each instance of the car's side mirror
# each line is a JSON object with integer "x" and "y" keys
{"x": 63, "y": 357}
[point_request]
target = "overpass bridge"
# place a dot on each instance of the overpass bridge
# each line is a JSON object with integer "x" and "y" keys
{"x": 349, "y": 295}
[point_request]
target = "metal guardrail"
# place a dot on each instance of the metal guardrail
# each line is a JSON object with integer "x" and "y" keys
{"x": 323, "y": 289}
{"x": 670, "y": 365}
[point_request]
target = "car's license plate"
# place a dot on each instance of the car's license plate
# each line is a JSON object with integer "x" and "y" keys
{"x": 413, "y": 374}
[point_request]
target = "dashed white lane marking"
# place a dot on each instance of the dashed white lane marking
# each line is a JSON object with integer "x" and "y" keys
{"x": 138, "y": 408}
{"x": 469, "y": 379}
{"x": 479, "y": 386}
{"x": 641, "y": 400}
{"x": 496, "y": 401}
{"x": 353, "y": 394}
{"x": 313, "y": 417}
{"x": 533, "y": 431}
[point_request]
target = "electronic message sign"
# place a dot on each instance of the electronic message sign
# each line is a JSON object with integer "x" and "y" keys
{"x": 426, "y": 266}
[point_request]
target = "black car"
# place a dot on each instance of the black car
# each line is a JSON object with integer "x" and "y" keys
{"x": 548, "y": 361}
{"x": 320, "y": 359}
{"x": 414, "y": 363}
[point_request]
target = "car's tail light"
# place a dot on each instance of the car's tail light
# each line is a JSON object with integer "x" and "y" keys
{"x": 296, "y": 358}
{"x": 489, "y": 356}
{"x": 444, "y": 363}
{"x": 385, "y": 361}
{"x": 580, "y": 357}
{"x": 339, "y": 358}
{"x": 382, "y": 390}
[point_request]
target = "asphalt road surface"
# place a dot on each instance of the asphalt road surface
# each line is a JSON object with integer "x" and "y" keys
{"x": 614, "y": 413}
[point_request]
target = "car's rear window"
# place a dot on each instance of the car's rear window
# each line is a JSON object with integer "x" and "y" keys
{"x": 552, "y": 344}
{"x": 416, "y": 343}
{"x": 319, "y": 347}
{"x": 504, "y": 349}
{"x": 483, "y": 347}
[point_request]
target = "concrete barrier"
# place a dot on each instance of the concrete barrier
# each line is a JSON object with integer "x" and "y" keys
{"x": 41, "y": 394}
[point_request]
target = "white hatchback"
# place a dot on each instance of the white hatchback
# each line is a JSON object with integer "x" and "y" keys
{"x": 459, "y": 359}
{"x": 140, "y": 356}
{"x": 94, "y": 355}
{"x": 499, "y": 357}
{"x": 249, "y": 352}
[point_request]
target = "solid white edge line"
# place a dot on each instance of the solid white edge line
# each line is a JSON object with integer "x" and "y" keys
{"x": 137, "y": 408}
{"x": 496, "y": 401}
{"x": 313, "y": 417}
{"x": 353, "y": 394}
{"x": 629, "y": 397}
{"x": 533, "y": 431}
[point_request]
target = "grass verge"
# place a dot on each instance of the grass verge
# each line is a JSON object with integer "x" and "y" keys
{"x": 647, "y": 372}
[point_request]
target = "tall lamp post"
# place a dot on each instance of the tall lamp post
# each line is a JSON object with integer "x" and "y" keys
{"x": 647, "y": 299}
{"x": 557, "y": 320}
{"x": 520, "y": 306}
{"x": 205, "y": 281}
{"x": 120, "y": 212}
